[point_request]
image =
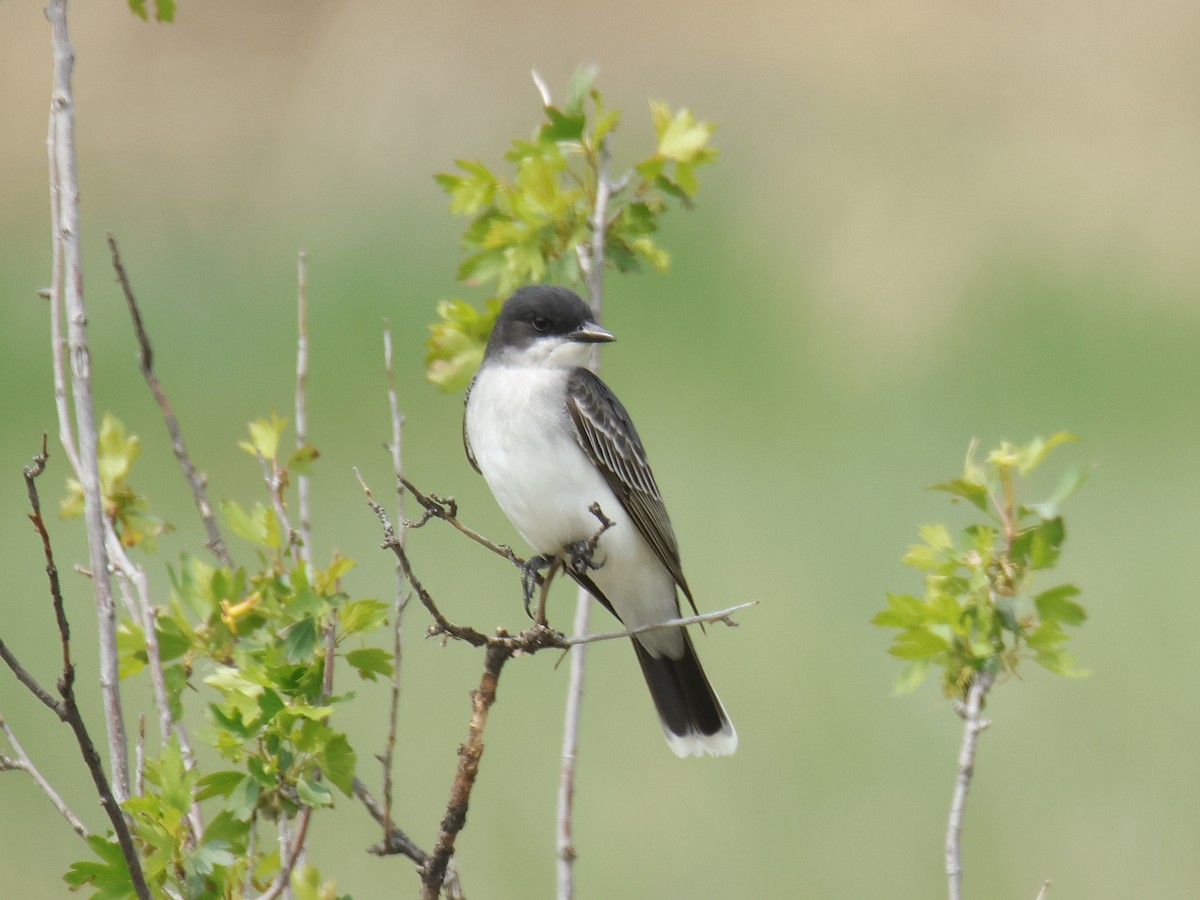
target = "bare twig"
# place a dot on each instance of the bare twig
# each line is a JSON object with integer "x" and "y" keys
{"x": 396, "y": 843}
{"x": 720, "y": 615}
{"x": 302, "y": 401}
{"x": 273, "y": 479}
{"x": 402, "y": 596}
{"x": 290, "y": 852}
{"x": 1044, "y": 891}
{"x": 24, "y": 764}
{"x": 434, "y": 871}
{"x": 592, "y": 263}
{"x": 65, "y": 200}
{"x": 446, "y": 509}
{"x": 973, "y": 724}
{"x": 67, "y": 709}
{"x": 195, "y": 479}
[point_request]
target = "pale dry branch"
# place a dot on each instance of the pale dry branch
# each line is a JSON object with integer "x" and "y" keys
{"x": 973, "y": 726}
{"x": 24, "y": 764}
{"x": 67, "y": 288}
{"x": 402, "y": 596}
{"x": 302, "y": 487}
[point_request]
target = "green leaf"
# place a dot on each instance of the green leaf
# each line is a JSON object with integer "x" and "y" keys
{"x": 264, "y": 437}
{"x": 164, "y": 10}
{"x": 370, "y": 662}
{"x": 210, "y": 855}
{"x": 904, "y": 611}
{"x": 562, "y": 127}
{"x": 1046, "y": 543}
{"x": 300, "y": 641}
{"x": 966, "y": 489}
{"x": 1056, "y": 605}
{"x": 1032, "y": 456}
{"x": 1075, "y": 476}
{"x": 302, "y": 459}
{"x": 260, "y": 526}
{"x": 918, "y": 643}
{"x": 138, "y": 8}
{"x": 313, "y": 793}
{"x": 218, "y": 784}
{"x": 910, "y": 677}
{"x": 362, "y": 616}
{"x": 579, "y": 87}
{"x": 338, "y": 761}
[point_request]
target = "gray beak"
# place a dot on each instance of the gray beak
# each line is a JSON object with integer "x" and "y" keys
{"x": 591, "y": 333}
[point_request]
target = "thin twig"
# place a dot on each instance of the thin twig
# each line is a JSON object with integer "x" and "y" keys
{"x": 1044, "y": 891}
{"x": 290, "y": 849}
{"x": 274, "y": 481}
{"x": 68, "y": 709}
{"x": 592, "y": 262}
{"x": 972, "y": 726}
{"x": 302, "y": 401}
{"x": 446, "y": 509}
{"x": 720, "y": 615}
{"x": 195, "y": 479}
{"x": 61, "y": 138}
{"x": 402, "y": 596}
{"x": 24, "y": 764}
{"x": 128, "y": 573}
{"x": 396, "y": 843}
{"x": 433, "y": 873}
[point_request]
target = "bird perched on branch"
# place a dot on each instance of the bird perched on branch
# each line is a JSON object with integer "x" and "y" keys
{"x": 552, "y": 440}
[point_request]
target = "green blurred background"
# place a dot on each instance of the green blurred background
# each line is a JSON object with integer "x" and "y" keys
{"x": 931, "y": 221}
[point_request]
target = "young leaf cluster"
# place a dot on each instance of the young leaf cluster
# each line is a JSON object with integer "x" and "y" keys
{"x": 123, "y": 506}
{"x": 533, "y": 223}
{"x": 983, "y": 609}
{"x": 251, "y": 644}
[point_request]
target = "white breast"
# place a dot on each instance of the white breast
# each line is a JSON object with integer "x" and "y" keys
{"x": 521, "y": 411}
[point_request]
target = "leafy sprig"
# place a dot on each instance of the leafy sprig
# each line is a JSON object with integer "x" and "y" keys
{"x": 531, "y": 224}
{"x": 981, "y": 610}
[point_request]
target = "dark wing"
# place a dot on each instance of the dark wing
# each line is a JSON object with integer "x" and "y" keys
{"x": 467, "y": 437}
{"x": 606, "y": 434}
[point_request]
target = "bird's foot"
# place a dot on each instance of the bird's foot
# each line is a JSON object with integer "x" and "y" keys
{"x": 579, "y": 556}
{"x": 529, "y": 577}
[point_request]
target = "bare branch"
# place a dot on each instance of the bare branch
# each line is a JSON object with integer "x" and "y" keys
{"x": 68, "y": 709}
{"x": 302, "y": 401}
{"x": 402, "y": 596}
{"x": 65, "y": 200}
{"x": 195, "y": 479}
{"x": 290, "y": 852}
{"x": 24, "y": 764}
{"x": 433, "y": 873}
{"x": 973, "y": 725}
{"x": 1045, "y": 890}
{"x": 720, "y": 615}
{"x": 396, "y": 843}
{"x": 592, "y": 263}
{"x": 446, "y": 509}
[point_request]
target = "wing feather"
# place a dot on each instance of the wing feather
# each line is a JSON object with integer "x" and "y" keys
{"x": 606, "y": 434}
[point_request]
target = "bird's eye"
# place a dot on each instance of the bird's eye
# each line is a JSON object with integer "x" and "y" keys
{"x": 541, "y": 323}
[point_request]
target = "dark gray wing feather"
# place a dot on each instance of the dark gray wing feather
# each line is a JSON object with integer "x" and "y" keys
{"x": 467, "y": 437}
{"x": 606, "y": 434}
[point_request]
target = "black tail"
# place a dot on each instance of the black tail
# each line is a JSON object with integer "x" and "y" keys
{"x": 693, "y": 719}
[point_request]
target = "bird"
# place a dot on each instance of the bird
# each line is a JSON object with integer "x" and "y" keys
{"x": 551, "y": 439}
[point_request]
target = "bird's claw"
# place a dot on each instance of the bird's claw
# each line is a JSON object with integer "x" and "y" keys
{"x": 579, "y": 556}
{"x": 529, "y": 578}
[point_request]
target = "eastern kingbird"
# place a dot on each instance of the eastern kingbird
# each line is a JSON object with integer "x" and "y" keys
{"x": 551, "y": 439}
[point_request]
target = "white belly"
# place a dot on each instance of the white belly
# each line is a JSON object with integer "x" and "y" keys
{"x": 548, "y": 504}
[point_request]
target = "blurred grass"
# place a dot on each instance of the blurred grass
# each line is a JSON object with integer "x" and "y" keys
{"x": 922, "y": 231}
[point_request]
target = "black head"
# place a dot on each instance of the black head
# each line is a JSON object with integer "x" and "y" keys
{"x": 544, "y": 314}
